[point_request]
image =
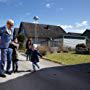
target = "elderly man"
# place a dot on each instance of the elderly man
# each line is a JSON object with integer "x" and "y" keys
{"x": 6, "y": 36}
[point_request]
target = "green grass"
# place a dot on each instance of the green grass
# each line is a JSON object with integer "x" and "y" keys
{"x": 69, "y": 58}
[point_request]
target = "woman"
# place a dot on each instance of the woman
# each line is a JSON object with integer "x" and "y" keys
{"x": 28, "y": 47}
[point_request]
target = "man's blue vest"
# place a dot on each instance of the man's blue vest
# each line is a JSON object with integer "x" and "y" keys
{"x": 5, "y": 38}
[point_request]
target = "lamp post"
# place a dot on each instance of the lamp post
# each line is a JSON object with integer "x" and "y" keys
{"x": 36, "y": 18}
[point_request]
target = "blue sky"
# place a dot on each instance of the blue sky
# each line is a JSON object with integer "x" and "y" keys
{"x": 72, "y": 15}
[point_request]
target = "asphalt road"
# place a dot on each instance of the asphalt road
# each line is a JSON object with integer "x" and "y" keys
{"x": 54, "y": 78}
{"x": 75, "y": 77}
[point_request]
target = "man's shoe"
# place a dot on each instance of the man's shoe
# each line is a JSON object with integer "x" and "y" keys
{"x": 2, "y": 75}
{"x": 8, "y": 72}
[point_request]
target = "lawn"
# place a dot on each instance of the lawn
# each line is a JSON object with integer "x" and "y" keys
{"x": 68, "y": 58}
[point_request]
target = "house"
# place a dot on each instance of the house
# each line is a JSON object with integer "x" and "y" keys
{"x": 16, "y": 30}
{"x": 87, "y": 34}
{"x": 44, "y": 34}
{"x": 51, "y": 35}
{"x": 71, "y": 41}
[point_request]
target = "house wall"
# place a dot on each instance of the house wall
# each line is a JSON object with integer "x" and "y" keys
{"x": 41, "y": 41}
{"x": 72, "y": 42}
{"x": 50, "y": 43}
{"x": 88, "y": 45}
{"x": 59, "y": 42}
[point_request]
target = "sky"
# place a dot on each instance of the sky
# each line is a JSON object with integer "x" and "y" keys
{"x": 71, "y": 15}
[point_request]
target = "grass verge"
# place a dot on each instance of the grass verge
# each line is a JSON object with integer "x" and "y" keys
{"x": 68, "y": 58}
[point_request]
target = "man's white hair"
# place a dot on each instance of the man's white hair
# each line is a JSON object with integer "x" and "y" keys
{"x": 11, "y": 21}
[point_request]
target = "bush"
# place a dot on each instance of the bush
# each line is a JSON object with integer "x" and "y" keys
{"x": 58, "y": 51}
{"x": 71, "y": 49}
{"x": 42, "y": 50}
{"x": 81, "y": 49}
{"x": 64, "y": 49}
{"x": 21, "y": 46}
{"x": 50, "y": 50}
{"x": 21, "y": 39}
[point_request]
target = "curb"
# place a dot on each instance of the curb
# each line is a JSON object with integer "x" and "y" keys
{"x": 53, "y": 61}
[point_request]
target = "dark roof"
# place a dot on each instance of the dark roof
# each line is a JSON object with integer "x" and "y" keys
{"x": 74, "y": 37}
{"x": 43, "y": 30}
{"x": 87, "y": 33}
{"x": 74, "y": 34}
{"x": 16, "y": 31}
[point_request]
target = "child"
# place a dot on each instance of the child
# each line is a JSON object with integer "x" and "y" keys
{"x": 15, "y": 45}
{"x": 35, "y": 58}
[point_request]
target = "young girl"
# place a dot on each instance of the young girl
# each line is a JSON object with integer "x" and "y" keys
{"x": 35, "y": 58}
{"x": 15, "y": 45}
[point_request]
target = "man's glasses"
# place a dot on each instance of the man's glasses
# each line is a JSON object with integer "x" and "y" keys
{"x": 10, "y": 24}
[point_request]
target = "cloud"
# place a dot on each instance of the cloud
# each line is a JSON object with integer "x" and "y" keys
{"x": 48, "y": 5}
{"x": 7, "y": 2}
{"x": 19, "y": 4}
{"x": 67, "y": 26}
{"x": 83, "y": 23}
{"x": 61, "y": 9}
{"x": 77, "y": 27}
{"x": 28, "y": 13}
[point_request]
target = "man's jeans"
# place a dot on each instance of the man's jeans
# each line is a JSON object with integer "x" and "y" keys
{"x": 6, "y": 54}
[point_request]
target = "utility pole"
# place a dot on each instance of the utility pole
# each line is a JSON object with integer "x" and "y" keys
{"x": 36, "y": 18}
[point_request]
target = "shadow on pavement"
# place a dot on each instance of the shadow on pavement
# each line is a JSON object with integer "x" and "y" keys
{"x": 20, "y": 71}
{"x": 74, "y": 77}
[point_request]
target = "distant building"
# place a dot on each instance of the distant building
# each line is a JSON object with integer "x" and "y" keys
{"x": 87, "y": 34}
{"x": 72, "y": 41}
{"x": 51, "y": 35}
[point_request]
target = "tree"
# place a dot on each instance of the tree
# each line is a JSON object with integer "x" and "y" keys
{"x": 21, "y": 39}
